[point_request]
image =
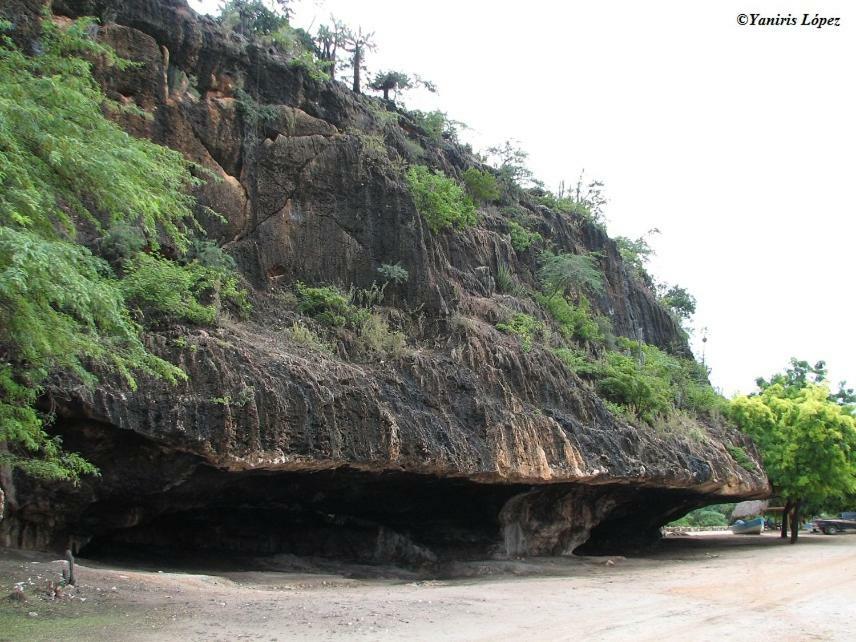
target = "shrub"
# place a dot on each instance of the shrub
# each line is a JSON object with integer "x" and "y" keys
{"x": 305, "y": 336}
{"x": 521, "y": 238}
{"x": 376, "y": 335}
{"x": 623, "y": 381}
{"x": 523, "y": 327}
{"x": 653, "y": 383}
{"x": 122, "y": 241}
{"x": 368, "y": 297}
{"x": 562, "y": 272}
{"x": 702, "y": 517}
{"x": 158, "y": 286}
{"x": 435, "y": 124}
{"x": 413, "y": 150}
{"x": 393, "y": 273}
{"x": 636, "y": 253}
{"x": 505, "y": 280}
{"x": 440, "y": 200}
{"x": 309, "y": 63}
{"x": 329, "y": 305}
{"x": 481, "y": 185}
{"x": 577, "y": 361}
{"x": 210, "y": 255}
{"x": 575, "y": 322}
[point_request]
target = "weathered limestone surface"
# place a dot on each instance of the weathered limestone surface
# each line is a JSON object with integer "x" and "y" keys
{"x": 465, "y": 445}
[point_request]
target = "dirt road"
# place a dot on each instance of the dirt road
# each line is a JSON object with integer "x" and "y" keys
{"x": 709, "y": 587}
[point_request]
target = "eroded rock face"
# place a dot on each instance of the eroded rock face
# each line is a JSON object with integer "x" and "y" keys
{"x": 465, "y": 445}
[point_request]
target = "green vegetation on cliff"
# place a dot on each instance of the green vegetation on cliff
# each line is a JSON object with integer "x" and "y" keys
{"x": 440, "y": 200}
{"x": 64, "y": 166}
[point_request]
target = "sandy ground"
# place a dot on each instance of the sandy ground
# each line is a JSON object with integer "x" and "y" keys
{"x": 702, "y": 587}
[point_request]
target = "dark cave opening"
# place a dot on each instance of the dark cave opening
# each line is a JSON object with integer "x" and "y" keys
{"x": 340, "y": 513}
{"x": 156, "y": 500}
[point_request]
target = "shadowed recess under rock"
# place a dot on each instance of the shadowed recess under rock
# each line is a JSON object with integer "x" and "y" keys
{"x": 341, "y": 513}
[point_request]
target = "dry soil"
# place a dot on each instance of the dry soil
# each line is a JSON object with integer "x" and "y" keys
{"x": 702, "y": 587}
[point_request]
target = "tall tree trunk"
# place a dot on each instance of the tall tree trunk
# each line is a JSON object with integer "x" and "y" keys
{"x": 785, "y": 512}
{"x": 795, "y": 522}
{"x": 358, "y": 60}
{"x": 386, "y": 93}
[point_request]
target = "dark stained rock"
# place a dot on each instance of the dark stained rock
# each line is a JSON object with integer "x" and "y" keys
{"x": 463, "y": 445}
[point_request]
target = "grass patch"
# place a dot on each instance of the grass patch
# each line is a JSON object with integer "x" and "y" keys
{"x": 524, "y": 327}
{"x": 739, "y": 455}
{"x": 377, "y": 337}
{"x": 304, "y": 335}
{"x": 54, "y": 622}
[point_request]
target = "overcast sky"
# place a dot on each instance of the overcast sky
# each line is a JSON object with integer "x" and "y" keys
{"x": 737, "y": 142}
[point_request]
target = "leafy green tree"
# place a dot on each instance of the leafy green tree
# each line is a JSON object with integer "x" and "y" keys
{"x": 254, "y": 17}
{"x": 509, "y": 159}
{"x": 679, "y": 301}
{"x": 806, "y": 439}
{"x": 62, "y": 163}
{"x": 636, "y": 253}
{"x": 802, "y": 373}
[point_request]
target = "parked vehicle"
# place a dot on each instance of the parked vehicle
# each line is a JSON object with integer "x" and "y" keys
{"x": 748, "y": 527}
{"x": 833, "y": 526}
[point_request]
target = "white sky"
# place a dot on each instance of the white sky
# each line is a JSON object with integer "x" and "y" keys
{"x": 738, "y": 143}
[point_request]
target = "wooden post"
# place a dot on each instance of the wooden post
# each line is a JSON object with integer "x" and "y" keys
{"x": 70, "y": 579}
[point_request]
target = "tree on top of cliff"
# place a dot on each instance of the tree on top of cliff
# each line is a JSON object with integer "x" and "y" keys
{"x": 329, "y": 39}
{"x": 680, "y": 301}
{"x": 254, "y": 17}
{"x": 807, "y": 439}
{"x": 397, "y": 81}
{"x": 357, "y": 44}
{"x": 509, "y": 159}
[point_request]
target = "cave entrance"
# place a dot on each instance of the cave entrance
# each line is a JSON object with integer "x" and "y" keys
{"x": 341, "y": 513}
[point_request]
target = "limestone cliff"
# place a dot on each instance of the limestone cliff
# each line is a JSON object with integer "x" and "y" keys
{"x": 465, "y": 444}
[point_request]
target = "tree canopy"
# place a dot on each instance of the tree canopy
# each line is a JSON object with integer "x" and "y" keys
{"x": 807, "y": 440}
{"x": 398, "y": 81}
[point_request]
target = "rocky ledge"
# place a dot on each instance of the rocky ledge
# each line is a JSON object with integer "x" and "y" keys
{"x": 460, "y": 445}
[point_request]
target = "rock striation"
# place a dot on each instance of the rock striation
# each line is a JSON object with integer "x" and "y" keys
{"x": 462, "y": 446}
